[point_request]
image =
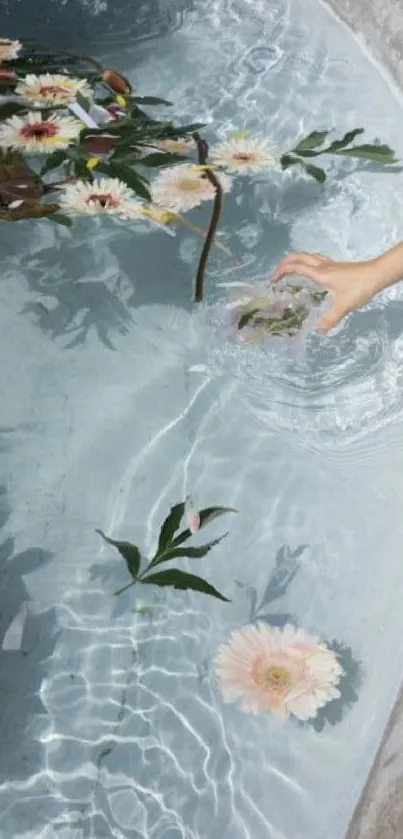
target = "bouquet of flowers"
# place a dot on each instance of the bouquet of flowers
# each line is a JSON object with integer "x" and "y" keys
{"x": 257, "y": 311}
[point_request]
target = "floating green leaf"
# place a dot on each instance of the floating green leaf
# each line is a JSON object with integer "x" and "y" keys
{"x": 191, "y": 553}
{"x": 345, "y": 141}
{"x": 183, "y": 581}
{"x": 149, "y": 100}
{"x": 160, "y": 159}
{"x": 129, "y": 552}
{"x": 170, "y": 526}
{"x": 315, "y": 172}
{"x": 312, "y": 141}
{"x": 288, "y": 160}
{"x": 9, "y": 109}
{"x": 206, "y": 516}
{"x": 127, "y": 175}
{"x": 378, "y": 154}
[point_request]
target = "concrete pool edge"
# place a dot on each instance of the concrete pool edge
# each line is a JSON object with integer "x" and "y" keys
{"x": 379, "y": 811}
{"x": 379, "y": 24}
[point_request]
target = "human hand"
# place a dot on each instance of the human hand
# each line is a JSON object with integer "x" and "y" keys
{"x": 351, "y": 284}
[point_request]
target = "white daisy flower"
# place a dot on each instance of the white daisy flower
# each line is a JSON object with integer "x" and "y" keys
{"x": 245, "y": 155}
{"x": 181, "y": 188}
{"x": 107, "y": 196}
{"x": 9, "y": 50}
{"x": 180, "y": 146}
{"x": 279, "y": 671}
{"x": 50, "y": 89}
{"x": 36, "y": 134}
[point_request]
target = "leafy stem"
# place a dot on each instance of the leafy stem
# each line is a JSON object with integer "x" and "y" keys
{"x": 202, "y": 150}
{"x": 168, "y": 549}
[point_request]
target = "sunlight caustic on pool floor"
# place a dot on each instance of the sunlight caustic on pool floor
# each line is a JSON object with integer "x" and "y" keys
{"x": 120, "y": 398}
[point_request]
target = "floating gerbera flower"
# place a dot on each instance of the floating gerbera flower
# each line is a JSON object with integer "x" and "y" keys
{"x": 244, "y": 155}
{"x": 9, "y": 50}
{"x": 107, "y": 196}
{"x": 281, "y": 671}
{"x": 49, "y": 89}
{"x": 183, "y": 187}
{"x": 36, "y": 134}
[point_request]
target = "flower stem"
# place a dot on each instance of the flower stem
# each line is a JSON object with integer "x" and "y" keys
{"x": 202, "y": 149}
{"x": 85, "y": 58}
{"x": 129, "y": 585}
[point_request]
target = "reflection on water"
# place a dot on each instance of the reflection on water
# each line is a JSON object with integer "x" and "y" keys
{"x": 119, "y": 398}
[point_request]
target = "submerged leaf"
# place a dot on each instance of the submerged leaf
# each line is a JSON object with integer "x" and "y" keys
{"x": 246, "y": 318}
{"x": 129, "y": 552}
{"x": 183, "y": 581}
{"x": 345, "y": 141}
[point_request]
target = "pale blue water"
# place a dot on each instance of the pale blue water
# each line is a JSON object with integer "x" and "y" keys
{"x": 112, "y": 725}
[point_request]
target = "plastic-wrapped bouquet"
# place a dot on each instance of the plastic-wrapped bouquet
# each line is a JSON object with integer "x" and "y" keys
{"x": 257, "y": 311}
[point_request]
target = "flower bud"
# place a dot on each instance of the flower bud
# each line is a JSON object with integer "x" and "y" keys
{"x": 7, "y": 76}
{"x": 116, "y": 81}
{"x": 100, "y": 145}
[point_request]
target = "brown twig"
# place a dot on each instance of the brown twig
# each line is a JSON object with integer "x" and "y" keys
{"x": 202, "y": 150}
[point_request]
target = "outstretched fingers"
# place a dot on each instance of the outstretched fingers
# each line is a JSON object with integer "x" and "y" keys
{"x": 305, "y": 264}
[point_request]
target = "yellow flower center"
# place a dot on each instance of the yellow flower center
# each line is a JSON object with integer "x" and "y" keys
{"x": 277, "y": 678}
{"x": 191, "y": 184}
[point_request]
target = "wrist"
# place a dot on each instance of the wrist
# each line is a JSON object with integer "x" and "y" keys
{"x": 387, "y": 269}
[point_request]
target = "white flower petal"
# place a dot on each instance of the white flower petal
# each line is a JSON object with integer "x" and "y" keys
{"x": 52, "y": 89}
{"x": 107, "y": 196}
{"x": 181, "y": 188}
{"x": 245, "y": 155}
{"x": 37, "y": 134}
{"x": 268, "y": 669}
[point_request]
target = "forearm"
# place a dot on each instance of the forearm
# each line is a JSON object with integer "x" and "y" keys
{"x": 389, "y": 267}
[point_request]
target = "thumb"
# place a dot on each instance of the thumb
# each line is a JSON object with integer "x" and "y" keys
{"x": 330, "y": 320}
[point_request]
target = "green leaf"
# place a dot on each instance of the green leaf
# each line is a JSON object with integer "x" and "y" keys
{"x": 288, "y": 160}
{"x": 149, "y": 100}
{"x": 129, "y": 552}
{"x": 170, "y": 526}
{"x": 315, "y": 172}
{"x": 53, "y": 161}
{"x": 206, "y": 516}
{"x": 180, "y": 553}
{"x": 378, "y": 154}
{"x": 10, "y": 108}
{"x": 127, "y": 175}
{"x": 312, "y": 141}
{"x": 59, "y": 218}
{"x": 179, "y": 131}
{"x": 247, "y": 317}
{"x": 183, "y": 581}
{"x": 160, "y": 159}
{"x": 345, "y": 141}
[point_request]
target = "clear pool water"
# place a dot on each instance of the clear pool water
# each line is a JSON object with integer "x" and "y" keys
{"x": 119, "y": 398}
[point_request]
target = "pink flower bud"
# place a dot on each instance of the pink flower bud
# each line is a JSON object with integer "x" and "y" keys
{"x": 192, "y": 516}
